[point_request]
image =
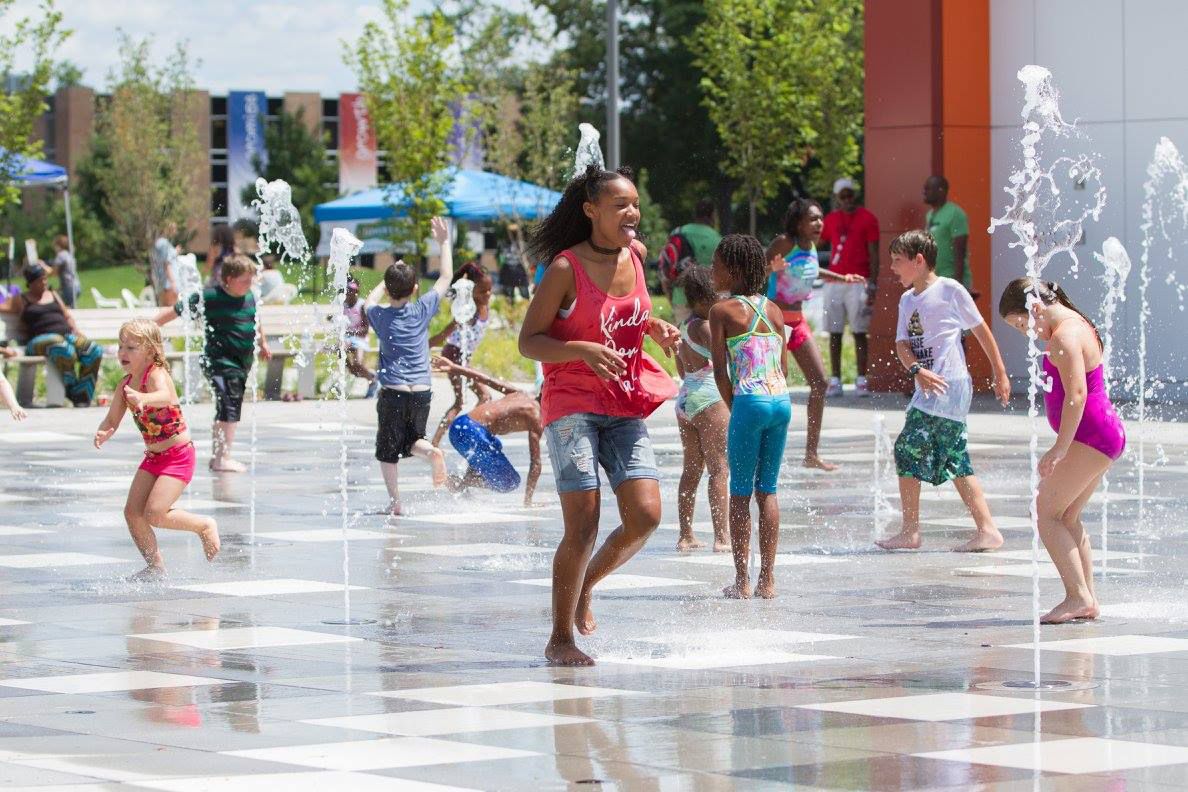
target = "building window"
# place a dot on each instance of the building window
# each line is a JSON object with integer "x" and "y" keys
{"x": 275, "y": 104}
{"x": 218, "y": 201}
{"x": 330, "y": 128}
{"x": 218, "y": 133}
{"x": 329, "y": 108}
{"x": 218, "y": 172}
{"x": 218, "y": 105}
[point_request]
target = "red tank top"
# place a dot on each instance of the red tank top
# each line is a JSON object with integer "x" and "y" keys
{"x": 619, "y": 323}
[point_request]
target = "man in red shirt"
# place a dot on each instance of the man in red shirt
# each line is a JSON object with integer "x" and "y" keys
{"x": 852, "y": 234}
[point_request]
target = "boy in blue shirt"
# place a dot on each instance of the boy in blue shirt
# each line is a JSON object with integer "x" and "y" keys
{"x": 402, "y": 328}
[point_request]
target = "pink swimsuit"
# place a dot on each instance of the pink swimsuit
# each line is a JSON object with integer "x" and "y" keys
{"x": 1100, "y": 428}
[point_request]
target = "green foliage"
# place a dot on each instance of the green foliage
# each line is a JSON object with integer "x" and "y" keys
{"x": 43, "y": 222}
{"x": 152, "y": 152}
{"x": 653, "y": 227}
{"x": 549, "y": 121}
{"x": 782, "y": 85}
{"x": 24, "y": 101}
{"x": 412, "y": 91}
{"x": 67, "y": 74}
{"x": 299, "y": 157}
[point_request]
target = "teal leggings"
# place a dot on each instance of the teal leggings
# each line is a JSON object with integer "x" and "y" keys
{"x": 755, "y": 442}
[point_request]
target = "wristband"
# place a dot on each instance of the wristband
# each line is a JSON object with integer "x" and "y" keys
{"x": 914, "y": 369}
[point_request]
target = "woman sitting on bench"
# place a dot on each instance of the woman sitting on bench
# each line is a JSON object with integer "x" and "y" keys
{"x": 52, "y": 333}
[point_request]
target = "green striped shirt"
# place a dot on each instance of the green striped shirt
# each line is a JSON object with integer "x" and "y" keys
{"x": 230, "y": 327}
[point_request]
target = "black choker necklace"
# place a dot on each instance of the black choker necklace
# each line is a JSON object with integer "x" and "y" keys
{"x": 602, "y": 250}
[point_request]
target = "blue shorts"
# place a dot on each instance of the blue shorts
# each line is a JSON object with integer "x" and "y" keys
{"x": 581, "y": 442}
{"x": 483, "y": 453}
{"x": 755, "y": 442}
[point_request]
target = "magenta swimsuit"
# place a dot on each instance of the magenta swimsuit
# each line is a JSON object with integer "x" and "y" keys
{"x": 1100, "y": 428}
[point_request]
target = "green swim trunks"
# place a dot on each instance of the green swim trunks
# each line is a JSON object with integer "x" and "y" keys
{"x": 932, "y": 449}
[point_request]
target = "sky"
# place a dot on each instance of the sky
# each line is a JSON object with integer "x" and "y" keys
{"x": 269, "y": 45}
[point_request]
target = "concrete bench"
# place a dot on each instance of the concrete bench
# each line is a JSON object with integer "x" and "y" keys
{"x": 306, "y": 323}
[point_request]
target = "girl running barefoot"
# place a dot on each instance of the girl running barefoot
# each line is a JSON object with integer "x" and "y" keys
{"x": 1089, "y": 434}
{"x": 587, "y": 323}
{"x": 751, "y": 370}
{"x": 168, "y": 464}
{"x": 452, "y": 351}
{"x": 792, "y": 257}
{"x": 701, "y": 415}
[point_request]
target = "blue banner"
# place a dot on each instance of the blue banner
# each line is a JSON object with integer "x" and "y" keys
{"x": 245, "y": 143}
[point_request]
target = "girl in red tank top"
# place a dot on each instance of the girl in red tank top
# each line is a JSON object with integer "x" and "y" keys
{"x": 586, "y": 324}
{"x": 168, "y": 464}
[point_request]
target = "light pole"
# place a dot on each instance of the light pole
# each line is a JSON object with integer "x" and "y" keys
{"x": 612, "y": 84}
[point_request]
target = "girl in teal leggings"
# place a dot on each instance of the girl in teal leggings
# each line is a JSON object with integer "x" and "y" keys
{"x": 750, "y": 368}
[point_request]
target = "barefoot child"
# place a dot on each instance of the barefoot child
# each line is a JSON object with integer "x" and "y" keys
{"x": 228, "y": 311}
{"x": 933, "y": 312}
{"x": 751, "y": 371}
{"x": 7, "y": 398}
{"x": 452, "y": 351}
{"x": 1089, "y": 435}
{"x": 587, "y": 323}
{"x": 792, "y": 257}
{"x": 357, "y": 331}
{"x": 475, "y": 435}
{"x": 701, "y": 415}
{"x": 168, "y": 466}
{"x": 402, "y": 328}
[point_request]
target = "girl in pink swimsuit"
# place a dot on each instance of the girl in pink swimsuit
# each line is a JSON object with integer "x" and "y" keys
{"x": 1089, "y": 434}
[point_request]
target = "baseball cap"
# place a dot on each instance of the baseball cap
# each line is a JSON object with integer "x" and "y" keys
{"x": 844, "y": 183}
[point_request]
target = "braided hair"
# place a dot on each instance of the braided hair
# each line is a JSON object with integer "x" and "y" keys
{"x": 745, "y": 261}
{"x": 568, "y": 225}
{"x": 1014, "y": 299}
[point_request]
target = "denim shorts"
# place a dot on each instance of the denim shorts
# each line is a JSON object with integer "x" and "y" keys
{"x": 582, "y": 442}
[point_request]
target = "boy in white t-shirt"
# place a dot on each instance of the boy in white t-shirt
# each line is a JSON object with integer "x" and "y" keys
{"x": 933, "y": 314}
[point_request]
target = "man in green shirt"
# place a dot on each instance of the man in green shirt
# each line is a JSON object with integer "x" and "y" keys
{"x": 703, "y": 238}
{"x": 949, "y": 226}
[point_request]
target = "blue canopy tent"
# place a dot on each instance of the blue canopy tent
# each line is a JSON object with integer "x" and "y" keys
{"x": 26, "y": 172}
{"x": 470, "y": 196}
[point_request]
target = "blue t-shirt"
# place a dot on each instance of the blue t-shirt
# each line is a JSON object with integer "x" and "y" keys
{"x": 794, "y": 283}
{"x": 403, "y": 335}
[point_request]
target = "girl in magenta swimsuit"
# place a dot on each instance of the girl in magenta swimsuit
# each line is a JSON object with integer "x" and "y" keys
{"x": 1089, "y": 434}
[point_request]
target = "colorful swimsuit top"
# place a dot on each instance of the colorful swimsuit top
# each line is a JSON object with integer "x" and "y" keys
{"x": 756, "y": 358}
{"x": 156, "y": 424}
{"x": 793, "y": 280}
{"x": 478, "y": 328}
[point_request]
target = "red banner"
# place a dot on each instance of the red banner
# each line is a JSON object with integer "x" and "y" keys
{"x": 358, "y": 165}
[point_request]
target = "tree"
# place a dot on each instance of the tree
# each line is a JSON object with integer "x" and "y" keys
{"x": 23, "y": 99}
{"x": 67, "y": 74}
{"x": 299, "y": 157}
{"x": 153, "y": 154}
{"x": 549, "y": 123}
{"x": 413, "y": 95}
{"x": 782, "y": 89}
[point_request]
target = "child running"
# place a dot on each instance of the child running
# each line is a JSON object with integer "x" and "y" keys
{"x": 701, "y": 415}
{"x": 402, "y": 328}
{"x": 587, "y": 323}
{"x": 452, "y": 351}
{"x": 357, "y": 331}
{"x": 228, "y": 311}
{"x": 168, "y": 466}
{"x": 792, "y": 257}
{"x": 933, "y": 312}
{"x": 751, "y": 370}
{"x": 475, "y": 435}
{"x": 7, "y": 398}
{"x": 1089, "y": 435}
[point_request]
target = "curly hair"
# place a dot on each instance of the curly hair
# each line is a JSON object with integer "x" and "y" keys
{"x": 698, "y": 283}
{"x": 745, "y": 261}
{"x": 568, "y": 225}
{"x": 797, "y": 211}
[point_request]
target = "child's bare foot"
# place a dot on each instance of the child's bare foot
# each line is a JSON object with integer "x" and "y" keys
{"x": 740, "y": 589}
{"x": 394, "y": 509}
{"x": 227, "y": 465}
{"x": 584, "y": 617}
{"x": 566, "y": 653}
{"x": 210, "y": 539}
{"x": 982, "y": 541}
{"x": 816, "y": 463}
{"x": 904, "y": 540}
{"x": 1072, "y": 609}
{"x": 765, "y": 588}
{"x": 150, "y": 574}
{"x": 437, "y": 460}
{"x": 722, "y": 544}
{"x": 689, "y": 542}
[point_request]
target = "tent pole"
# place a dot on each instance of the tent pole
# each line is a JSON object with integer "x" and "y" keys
{"x": 69, "y": 227}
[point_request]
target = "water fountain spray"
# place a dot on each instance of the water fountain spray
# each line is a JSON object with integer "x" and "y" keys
{"x": 884, "y": 469}
{"x": 589, "y": 150}
{"x": 189, "y": 284}
{"x": 1047, "y": 220}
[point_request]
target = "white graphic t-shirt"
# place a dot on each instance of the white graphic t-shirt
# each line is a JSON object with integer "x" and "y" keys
{"x": 932, "y": 322}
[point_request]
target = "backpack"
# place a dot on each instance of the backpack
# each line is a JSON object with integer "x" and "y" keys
{"x": 676, "y": 257}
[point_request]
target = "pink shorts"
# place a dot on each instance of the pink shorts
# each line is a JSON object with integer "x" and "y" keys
{"x": 177, "y": 462}
{"x": 796, "y": 329}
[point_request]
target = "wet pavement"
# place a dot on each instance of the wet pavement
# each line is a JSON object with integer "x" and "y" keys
{"x": 871, "y": 670}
